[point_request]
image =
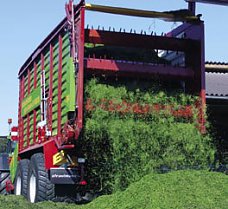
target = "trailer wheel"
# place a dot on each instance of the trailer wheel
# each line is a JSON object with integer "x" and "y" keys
{"x": 39, "y": 186}
{"x": 4, "y": 176}
{"x": 21, "y": 179}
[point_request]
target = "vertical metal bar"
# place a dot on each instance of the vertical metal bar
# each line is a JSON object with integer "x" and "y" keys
{"x": 20, "y": 119}
{"x": 203, "y": 91}
{"x": 34, "y": 126}
{"x": 29, "y": 81}
{"x": 28, "y": 116}
{"x": 43, "y": 96}
{"x": 81, "y": 69}
{"x": 22, "y": 122}
{"x": 50, "y": 90}
{"x": 22, "y": 87}
{"x": 192, "y": 7}
{"x": 73, "y": 47}
{"x": 35, "y": 75}
{"x": 34, "y": 111}
{"x": 28, "y": 131}
{"x": 59, "y": 85}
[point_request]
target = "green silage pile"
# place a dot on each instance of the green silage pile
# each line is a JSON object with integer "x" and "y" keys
{"x": 177, "y": 190}
{"x": 121, "y": 148}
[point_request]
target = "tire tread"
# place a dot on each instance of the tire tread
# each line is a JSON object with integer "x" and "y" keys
{"x": 4, "y": 176}
{"x": 45, "y": 189}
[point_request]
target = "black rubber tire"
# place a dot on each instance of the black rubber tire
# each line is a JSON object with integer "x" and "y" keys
{"x": 44, "y": 189}
{"x": 22, "y": 172}
{"x": 4, "y": 176}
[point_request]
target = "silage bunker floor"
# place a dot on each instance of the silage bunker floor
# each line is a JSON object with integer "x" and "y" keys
{"x": 178, "y": 189}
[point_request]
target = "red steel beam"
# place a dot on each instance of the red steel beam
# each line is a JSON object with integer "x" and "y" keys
{"x": 34, "y": 111}
{"x": 32, "y": 147}
{"x": 29, "y": 81}
{"x": 104, "y": 65}
{"x": 34, "y": 126}
{"x": 28, "y": 116}
{"x": 35, "y": 75}
{"x": 42, "y": 86}
{"x": 23, "y": 96}
{"x": 20, "y": 119}
{"x": 138, "y": 40}
{"x": 59, "y": 85}
{"x": 28, "y": 131}
{"x": 81, "y": 69}
{"x": 50, "y": 90}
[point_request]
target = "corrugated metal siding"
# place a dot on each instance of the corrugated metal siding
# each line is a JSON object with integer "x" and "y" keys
{"x": 216, "y": 79}
{"x": 216, "y": 63}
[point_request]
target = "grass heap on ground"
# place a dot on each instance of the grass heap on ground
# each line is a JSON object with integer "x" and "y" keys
{"x": 123, "y": 147}
{"x": 178, "y": 190}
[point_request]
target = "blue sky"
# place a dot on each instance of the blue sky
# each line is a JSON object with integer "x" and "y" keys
{"x": 25, "y": 23}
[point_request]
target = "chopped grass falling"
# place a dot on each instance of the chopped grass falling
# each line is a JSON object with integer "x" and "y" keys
{"x": 122, "y": 148}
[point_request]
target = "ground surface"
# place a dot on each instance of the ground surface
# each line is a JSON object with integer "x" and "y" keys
{"x": 180, "y": 189}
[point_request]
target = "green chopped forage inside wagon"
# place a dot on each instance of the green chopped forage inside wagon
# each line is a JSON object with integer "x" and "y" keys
{"x": 125, "y": 139}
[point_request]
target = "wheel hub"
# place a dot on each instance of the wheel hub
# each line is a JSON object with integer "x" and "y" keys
{"x": 18, "y": 186}
{"x": 32, "y": 188}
